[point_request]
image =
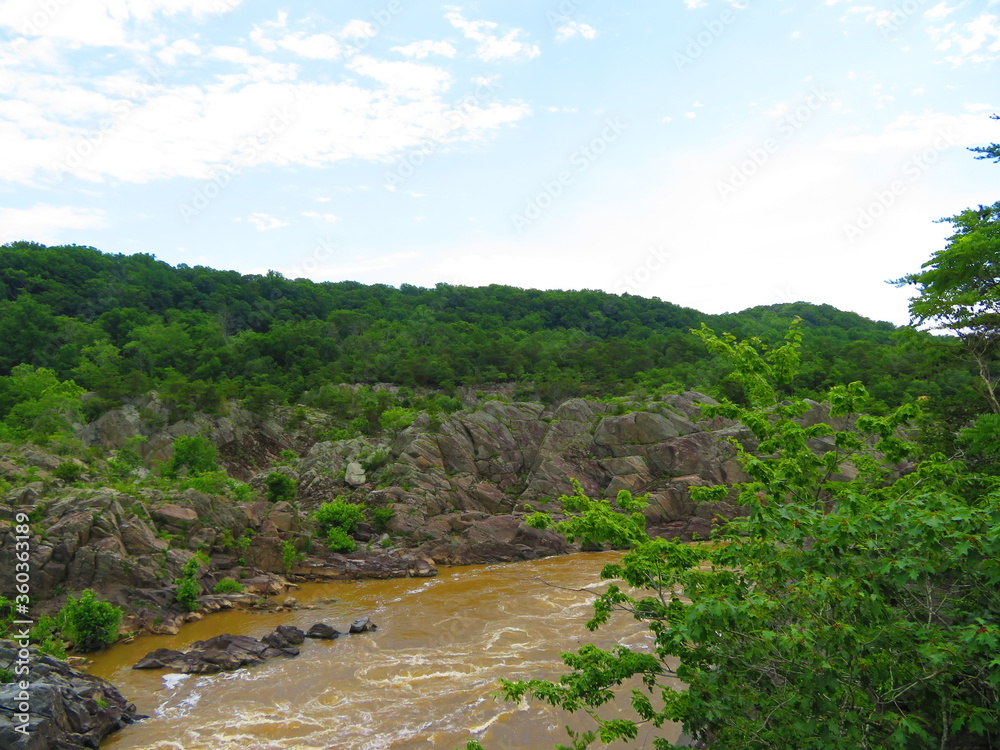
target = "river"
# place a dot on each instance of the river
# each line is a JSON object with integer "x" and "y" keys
{"x": 425, "y": 679}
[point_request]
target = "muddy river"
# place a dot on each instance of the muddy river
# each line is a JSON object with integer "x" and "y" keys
{"x": 425, "y": 679}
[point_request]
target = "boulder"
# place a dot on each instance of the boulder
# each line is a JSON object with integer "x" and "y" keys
{"x": 363, "y": 625}
{"x": 175, "y": 515}
{"x": 354, "y": 474}
{"x": 323, "y": 631}
{"x": 70, "y": 710}
{"x": 223, "y": 653}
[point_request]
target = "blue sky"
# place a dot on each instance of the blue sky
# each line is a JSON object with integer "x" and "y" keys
{"x": 715, "y": 154}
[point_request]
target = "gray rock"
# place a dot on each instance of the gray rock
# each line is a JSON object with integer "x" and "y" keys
{"x": 323, "y": 631}
{"x": 70, "y": 710}
{"x": 354, "y": 475}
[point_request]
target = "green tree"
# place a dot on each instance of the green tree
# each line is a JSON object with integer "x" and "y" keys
{"x": 36, "y": 405}
{"x": 959, "y": 291}
{"x": 846, "y": 614}
{"x": 90, "y": 623}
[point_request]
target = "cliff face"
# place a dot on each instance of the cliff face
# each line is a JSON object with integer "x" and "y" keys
{"x": 459, "y": 491}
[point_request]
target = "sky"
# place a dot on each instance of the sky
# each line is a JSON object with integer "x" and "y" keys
{"x": 717, "y": 154}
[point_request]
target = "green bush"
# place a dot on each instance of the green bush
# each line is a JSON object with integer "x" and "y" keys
{"x": 290, "y": 555}
{"x": 196, "y": 454}
{"x": 381, "y": 518}
{"x": 339, "y": 514}
{"x": 68, "y": 471}
{"x": 228, "y": 586}
{"x": 280, "y": 487}
{"x": 188, "y": 591}
{"x": 89, "y": 623}
{"x": 338, "y": 540}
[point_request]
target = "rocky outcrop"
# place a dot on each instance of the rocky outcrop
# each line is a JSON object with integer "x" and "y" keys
{"x": 57, "y": 707}
{"x": 223, "y": 653}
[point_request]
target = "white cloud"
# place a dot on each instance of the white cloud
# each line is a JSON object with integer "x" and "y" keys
{"x": 324, "y": 217}
{"x": 493, "y": 47}
{"x": 572, "y": 29}
{"x": 692, "y": 4}
{"x": 977, "y": 41}
{"x": 358, "y": 30}
{"x": 99, "y": 23}
{"x": 420, "y": 50}
{"x": 912, "y": 134}
{"x": 265, "y": 222}
{"x": 403, "y": 77}
{"x": 940, "y": 11}
{"x": 169, "y": 55}
{"x": 46, "y": 224}
{"x": 315, "y": 47}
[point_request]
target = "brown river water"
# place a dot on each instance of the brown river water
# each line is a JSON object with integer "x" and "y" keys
{"x": 425, "y": 679}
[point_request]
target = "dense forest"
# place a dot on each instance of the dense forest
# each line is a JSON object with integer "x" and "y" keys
{"x": 120, "y": 325}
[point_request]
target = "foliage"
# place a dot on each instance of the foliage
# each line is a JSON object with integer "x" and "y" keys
{"x": 187, "y": 593}
{"x": 280, "y": 487}
{"x": 982, "y": 444}
{"x": 127, "y": 459}
{"x": 189, "y": 585}
{"x": 396, "y": 419}
{"x": 958, "y": 291}
{"x": 381, "y": 517}
{"x": 89, "y": 623}
{"x": 194, "y": 454}
{"x": 228, "y": 586}
{"x": 848, "y": 614}
{"x": 68, "y": 471}
{"x": 36, "y": 406}
{"x": 286, "y": 458}
{"x": 290, "y": 556}
{"x": 339, "y": 540}
{"x": 122, "y": 325}
{"x": 338, "y": 514}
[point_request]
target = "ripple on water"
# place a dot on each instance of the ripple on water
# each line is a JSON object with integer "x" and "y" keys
{"x": 425, "y": 679}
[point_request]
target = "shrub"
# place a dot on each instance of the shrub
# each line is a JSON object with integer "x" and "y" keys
{"x": 228, "y": 586}
{"x": 381, "y": 518}
{"x": 195, "y": 453}
{"x": 339, "y": 514}
{"x": 68, "y": 471}
{"x": 89, "y": 623}
{"x": 290, "y": 555}
{"x": 286, "y": 458}
{"x": 280, "y": 487}
{"x": 188, "y": 591}
{"x": 338, "y": 540}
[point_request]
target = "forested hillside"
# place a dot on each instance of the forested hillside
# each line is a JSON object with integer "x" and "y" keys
{"x": 121, "y": 325}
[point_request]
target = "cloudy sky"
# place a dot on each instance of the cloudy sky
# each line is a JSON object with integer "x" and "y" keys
{"x": 712, "y": 153}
